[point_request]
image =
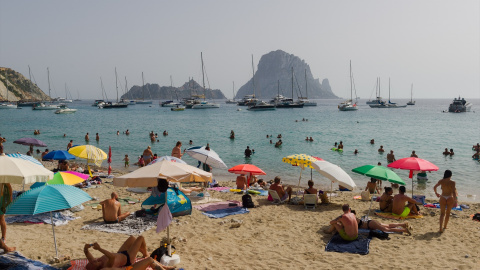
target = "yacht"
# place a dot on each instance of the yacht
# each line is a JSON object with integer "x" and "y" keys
{"x": 65, "y": 111}
{"x": 248, "y": 100}
{"x": 389, "y": 104}
{"x": 43, "y": 106}
{"x": 8, "y": 106}
{"x": 378, "y": 101}
{"x": 98, "y": 102}
{"x": 204, "y": 104}
{"x": 304, "y": 100}
{"x": 349, "y": 105}
{"x": 261, "y": 106}
{"x": 169, "y": 103}
{"x": 459, "y": 105}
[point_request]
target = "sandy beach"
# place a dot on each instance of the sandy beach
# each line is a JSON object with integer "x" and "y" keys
{"x": 270, "y": 237}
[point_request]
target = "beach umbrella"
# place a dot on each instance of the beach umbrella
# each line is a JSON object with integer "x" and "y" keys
{"x": 249, "y": 169}
{"x": 414, "y": 165}
{"x": 68, "y": 178}
{"x": 89, "y": 152}
{"x": 59, "y": 155}
{"x": 173, "y": 171}
{"x": 301, "y": 160}
{"x": 169, "y": 158}
{"x": 334, "y": 173}
{"x": 19, "y": 171}
{"x": 47, "y": 198}
{"x": 25, "y": 157}
{"x": 30, "y": 142}
{"x": 379, "y": 172}
{"x": 209, "y": 157}
{"x": 109, "y": 159}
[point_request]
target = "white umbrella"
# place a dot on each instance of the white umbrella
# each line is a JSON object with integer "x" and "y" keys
{"x": 19, "y": 171}
{"x": 25, "y": 157}
{"x": 334, "y": 173}
{"x": 209, "y": 157}
{"x": 169, "y": 158}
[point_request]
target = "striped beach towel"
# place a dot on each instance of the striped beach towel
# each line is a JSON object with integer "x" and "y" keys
{"x": 80, "y": 264}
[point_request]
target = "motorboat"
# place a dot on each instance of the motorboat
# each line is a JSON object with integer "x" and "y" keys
{"x": 111, "y": 105}
{"x": 169, "y": 103}
{"x": 248, "y": 100}
{"x": 98, "y": 102}
{"x": 43, "y": 106}
{"x": 8, "y": 106}
{"x": 459, "y": 105}
{"x": 262, "y": 106}
{"x": 289, "y": 103}
{"x": 177, "y": 108}
{"x": 65, "y": 111}
{"x": 205, "y": 105}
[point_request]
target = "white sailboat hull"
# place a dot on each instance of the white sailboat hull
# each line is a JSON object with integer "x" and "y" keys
{"x": 8, "y": 106}
{"x": 65, "y": 111}
{"x": 206, "y": 106}
{"x": 144, "y": 102}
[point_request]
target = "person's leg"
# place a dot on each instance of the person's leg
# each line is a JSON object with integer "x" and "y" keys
{"x": 3, "y": 226}
{"x": 443, "y": 205}
{"x": 289, "y": 192}
{"x": 138, "y": 245}
{"x": 123, "y": 216}
{"x": 143, "y": 264}
{"x": 127, "y": 244}
{"x": 413, "y": 208}
{"x": 375, "y": 225}
{"x": 5, "y": 248}
{"x": 330, "y": 230}
{"x": 449, "y": 207}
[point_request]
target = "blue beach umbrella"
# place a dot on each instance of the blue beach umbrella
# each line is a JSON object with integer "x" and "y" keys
{"x": 25, "y": 157}
{"x": 59, "y": 155}
{"x": 47, "y": 198}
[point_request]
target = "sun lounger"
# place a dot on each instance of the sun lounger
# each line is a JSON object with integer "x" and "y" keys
{"x": 310, "y": 201}
{"x": 275, "y": 197}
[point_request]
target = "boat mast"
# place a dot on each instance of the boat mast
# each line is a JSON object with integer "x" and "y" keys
{"x": 126, "y": 86}
{"x": 253, "y": 78}
{"x": 116, "y": 82}
{"x": 233, "y": 90}
{"x": 306, "y": 84}
{"x": 48, "y": 77}
{"x": 143, "y": 88}
{"x": 292, "y": 83}
{"x": 411, "y": 93}
{"x": 388, "y": 90}
{"x": 203, "y": 76}
{"x": 351, "y": 85}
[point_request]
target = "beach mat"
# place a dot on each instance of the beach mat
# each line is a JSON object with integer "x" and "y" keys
{"x": 391, "y": 216}
{"x": 16, "y": 261}
{"x": 131, "y": 225}
{"x": 437, "y": 205}
{"x": 122, "y": 201}
{"x": 203, "y": 200}
{"x": 359, "y": 246}
{"x": 220, "y": 189}
{"x": 216, "y": 206}
{"x": 80, "y": 264}
{"x": 59, "y": 218}
{"x": 220, "y": 213}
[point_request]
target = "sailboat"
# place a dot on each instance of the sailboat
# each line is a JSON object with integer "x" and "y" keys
{"x": 78, "y": 97}
{"x": 131, "y": 101}
{"x": 43, "y": 106}
{"x": 378, "y": 100}
{"x": 7, "y": 105}
{"x": 66, "y": 100}
{"x": 348, "y": 105}
{"x": 232, "y": 101}
{"x": 204, "y": 104}
{"x": 288, "y": 102}
{"x": 111, "y": 105}
{"x": 171, "y": 103}
{"x": 143, "y": 101}
{"x": 411, "y": 102}
{"x": 390, "y": 104}
{"x": 259, "y": 105}
{"x": 304, "y": 99}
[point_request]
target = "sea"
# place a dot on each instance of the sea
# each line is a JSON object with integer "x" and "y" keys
{"x": 423, "y": 127}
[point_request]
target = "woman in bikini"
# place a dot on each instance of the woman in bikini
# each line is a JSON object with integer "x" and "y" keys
{"x": 448, "y": 198}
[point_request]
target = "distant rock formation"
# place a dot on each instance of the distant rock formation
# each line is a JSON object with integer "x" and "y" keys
{"x": 275, "y": 68}
{"x": 154, "y": 91}
{"x": 19, "y": 87}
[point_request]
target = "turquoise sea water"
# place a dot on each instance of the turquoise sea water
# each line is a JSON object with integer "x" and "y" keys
{"x": 422, "y": 127}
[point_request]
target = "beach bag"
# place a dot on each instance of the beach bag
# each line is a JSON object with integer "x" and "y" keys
{"x": 247, "y": 201}
{"x": 365, "y": 195}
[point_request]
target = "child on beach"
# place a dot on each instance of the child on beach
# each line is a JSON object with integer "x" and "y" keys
{"x": 127, "y": 161}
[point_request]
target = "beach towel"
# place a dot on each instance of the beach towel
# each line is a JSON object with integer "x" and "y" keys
{"x": 122, "y": 201}
{"x": 437, "y": 205}
{"x": 220, "y": 213}
{"x": 203, "y": 200}
{"x": 263, "y": 192}
{"x": 80, "y": 264}
{"x": 220, "y": 189}
{"x": 16, "y": 261}
{"x": 59, "y": 218}
{"x": 164, "y": 219}
{"x": 131, "y": 225}
{"x": 216, "y": 205}
{"x": 391, "y": 216}
{"x": 358, "y": 246}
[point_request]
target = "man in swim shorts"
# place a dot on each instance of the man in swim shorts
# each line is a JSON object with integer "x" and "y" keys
{"x": 282, "y": 192}
{"x": 241, "y": 182}
{"x": 399, "y": 200}
{"x": 346, "y": 224}
{"x": 111, "y": 210}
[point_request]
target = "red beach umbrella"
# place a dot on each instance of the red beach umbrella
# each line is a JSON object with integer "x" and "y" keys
{"x": 249, "y": 169}
{"x": 109, "y": 159}
{"x": 413, "y": 164}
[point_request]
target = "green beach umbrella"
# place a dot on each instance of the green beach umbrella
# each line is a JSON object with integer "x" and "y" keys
{"x": 47, "y": 198}
{"x": 379, "y": 172}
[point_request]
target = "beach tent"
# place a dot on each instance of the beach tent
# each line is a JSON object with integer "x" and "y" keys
{"x": 178, "y": 203}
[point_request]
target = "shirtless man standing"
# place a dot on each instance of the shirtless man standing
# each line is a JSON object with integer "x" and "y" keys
{"x": 390, "y": 157}
{"x": 386, "y": 200}
{"x": 372, "y": 186}
{"x": 282, "y": 193}
{"x": 241, "y": 182}
{"x": 87, "y": 138}
{"x": 346, "y": 225}
{"x": 447, "y": 199}
{"x": 399, "y": 201}
{"x": 70, "y": 145}
{"x": 177, "y": 150}
{"x": 147, "y": 155}
{"x": 111, "y": 210}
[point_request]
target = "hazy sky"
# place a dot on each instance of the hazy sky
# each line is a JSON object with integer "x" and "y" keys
{"x": 433, "y": 44}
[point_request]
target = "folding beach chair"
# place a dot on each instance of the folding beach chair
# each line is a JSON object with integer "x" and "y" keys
{"x": 310, "y": 201}
{"x": 275, "y": 197}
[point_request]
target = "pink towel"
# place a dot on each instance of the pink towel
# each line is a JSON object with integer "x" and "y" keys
{"x": 80, "y": 264}
{"x": 164, "y": 219}
{"x": 219, "y": 188}
{"x": 215, "y": 206}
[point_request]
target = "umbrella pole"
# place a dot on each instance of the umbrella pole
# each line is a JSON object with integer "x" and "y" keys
{"x": 54, "y": 239}
{"x": 331, "y": 190}
{"x": 169, "y": 249}
{"x": 300, "y": 178}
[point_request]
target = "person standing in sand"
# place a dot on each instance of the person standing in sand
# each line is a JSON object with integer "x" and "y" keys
{"x": 147, "y": 155}
{"x": 399, "y": 200}
{"x": 448, "y": 198}
{"x": 177, "y": 150}
{"x": 5, "y": 248}
{"x": 5, "y": 199}
{"x": 111, "y": 210}
{"x": 346, "y": 224}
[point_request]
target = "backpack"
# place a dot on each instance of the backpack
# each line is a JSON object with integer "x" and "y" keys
{"x": 476, "y": 217}
{"x": 247, "y": 201}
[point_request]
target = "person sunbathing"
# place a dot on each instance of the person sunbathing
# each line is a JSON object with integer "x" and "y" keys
{"x": 311, "y": 189}
{"x": 386, "y": 200}
{"x": 399, "y": 208}
{"x": 5, "y": 248}
{"x": 111, "y": 210}
{"x": 281, "y": 191}
{"x": 346, "y": 225}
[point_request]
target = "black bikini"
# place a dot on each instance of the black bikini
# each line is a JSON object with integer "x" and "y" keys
{"x": 128, "y": 257}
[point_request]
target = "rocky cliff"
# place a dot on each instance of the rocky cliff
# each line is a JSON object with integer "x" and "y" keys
{"x": 275, "y": 72}
{"x": 155, "y": 91}
{"x": 19, "y": 87}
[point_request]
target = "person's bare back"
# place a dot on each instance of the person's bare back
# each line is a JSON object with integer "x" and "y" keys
{"x": 349, "y": 222}
{"x": 399, "y": 201}
{"x": 241, "y": 182}
{"x": 111, "y": 210}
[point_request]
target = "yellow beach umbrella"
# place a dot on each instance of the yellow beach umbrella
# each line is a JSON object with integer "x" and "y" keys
{"x": 301, "y": 160}
{"x": 89, "y": 152}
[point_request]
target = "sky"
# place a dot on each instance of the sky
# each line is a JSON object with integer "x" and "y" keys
{"x": 434, "y": 45}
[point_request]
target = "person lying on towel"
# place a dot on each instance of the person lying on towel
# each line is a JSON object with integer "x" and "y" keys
{"x": 124, "y": 258}
{"x": 399, "y": 208}
{"x": 346, "y": 224}
{"x": 111, "y": 210}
